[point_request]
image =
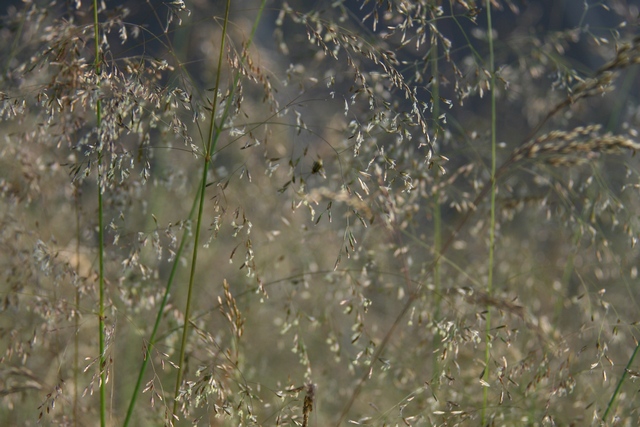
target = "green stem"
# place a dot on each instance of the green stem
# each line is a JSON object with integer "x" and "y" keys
{"x": 207, "y": 160}
{"x": 492, "y": 229}
{"x": 437, "y": 212}
{"x": 152, "y": 338}
{"x": 620, "y": 382}
{"x": 76, "y": 317}
{"x": 101, "y": 334}
{"x": 156, "y": 325}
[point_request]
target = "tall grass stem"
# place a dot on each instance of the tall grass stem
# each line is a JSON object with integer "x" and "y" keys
{"x": 205, "y": 169}
{"x": 101, "y": 324}
{"x": 492, "y": 228}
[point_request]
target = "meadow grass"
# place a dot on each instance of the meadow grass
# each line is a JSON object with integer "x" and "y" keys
{"x": 283, "y": 213}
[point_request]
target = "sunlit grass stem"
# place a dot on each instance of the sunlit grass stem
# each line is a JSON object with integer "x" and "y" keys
{"x": 492, "y": 227}
{"x": 621, "y": 381}
{"x": 101, "y": 291}
{"x": 210, "y": 147}
{"x": 437, "y": 210}
{"x": 178, "y": 256}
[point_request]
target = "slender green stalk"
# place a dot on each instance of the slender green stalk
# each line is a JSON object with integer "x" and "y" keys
{"x": 437, "y": 212}
{"x": 101, "y": 303}
{"x": 101, "y": 334}
{"x": 492, "y": 229}
{"x": 210, "y": 147}
{"x": 156, "y": 325}
{"x": 619, "y": 385}
{"x": 152, "y": 338}
{"x": 76, "y": 317}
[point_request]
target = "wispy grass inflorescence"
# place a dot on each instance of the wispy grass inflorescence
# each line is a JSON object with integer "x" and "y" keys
{"x": 302, "y": 213}
{"x": 566, "y": 148}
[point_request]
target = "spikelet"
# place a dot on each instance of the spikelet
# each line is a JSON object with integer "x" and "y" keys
{"x": 566, "y": 148}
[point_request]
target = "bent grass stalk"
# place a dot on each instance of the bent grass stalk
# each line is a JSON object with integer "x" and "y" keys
{"x": 174, "y": 267}
{"x": 156, "y": 325}
{"x": 210, "y": 146}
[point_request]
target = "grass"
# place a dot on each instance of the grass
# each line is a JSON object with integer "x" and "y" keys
{"x": 492, "y": 226}
{"x": 329, "y": 214}
{"x": 102, "y": 360}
